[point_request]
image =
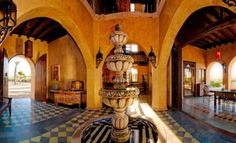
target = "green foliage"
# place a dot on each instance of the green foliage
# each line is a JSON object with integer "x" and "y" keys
{"x": 21, "y": 73}
{"x": 215, "y": 83}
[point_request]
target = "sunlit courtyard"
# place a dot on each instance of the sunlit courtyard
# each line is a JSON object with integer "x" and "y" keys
{"x": 19, "y": 80}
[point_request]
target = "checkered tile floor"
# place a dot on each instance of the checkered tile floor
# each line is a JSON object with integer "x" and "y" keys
{"x": 222, "y": 116}
{"x": 26, "y": 112}
{"x": 63, "y": 133}
{"x": 176, "y": 128}
{"x": 45, "y": 123}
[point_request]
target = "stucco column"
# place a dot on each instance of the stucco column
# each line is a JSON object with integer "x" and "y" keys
{"x": 94, "y": 84}
{"x": 159, "y": 88}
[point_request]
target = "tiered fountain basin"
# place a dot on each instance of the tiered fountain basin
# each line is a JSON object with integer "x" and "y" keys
{"x": 99, "y": 131}
{"x": 119, "y": 98}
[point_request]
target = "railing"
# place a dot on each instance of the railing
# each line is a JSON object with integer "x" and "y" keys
{"x": 115, "y": 6}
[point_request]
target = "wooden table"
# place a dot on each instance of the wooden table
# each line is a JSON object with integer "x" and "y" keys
{"x": 225, "y": 94}
{"x": 67, "y": 97}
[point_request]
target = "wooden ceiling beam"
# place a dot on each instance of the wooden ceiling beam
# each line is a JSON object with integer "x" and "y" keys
{"x": 48, "y": 30}
{"x": 231, "y": 32}
{"x": 34, "y": 27}
{"x": 210, "y": 18}
{"x": 199, "y": 45}
{"x": 43, "y": 27}
{"x": 204, "y": 42}
{"x": 221, "y": 24}
{"x": 57, "y": 33}
{"x": 213, "y": 40}
{"x": 226, "y": 36}
{"x": 22, "y": 30}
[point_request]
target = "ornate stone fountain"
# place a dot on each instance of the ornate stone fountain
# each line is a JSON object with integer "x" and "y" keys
{"x": 118, "y": 128}
{"x": 120, "y": 96}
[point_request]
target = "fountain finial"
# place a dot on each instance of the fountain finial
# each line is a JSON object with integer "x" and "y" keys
{"x": 117, "y": 27}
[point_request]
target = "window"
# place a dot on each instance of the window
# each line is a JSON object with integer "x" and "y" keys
{"x": 216, "y": 75}
{"x": 233, "y": 75}
{"x": 201, "y": 75}
{"x": 132, "y": 75}
{"x": 132, "y": 48}
{"x": 132, "y": 7}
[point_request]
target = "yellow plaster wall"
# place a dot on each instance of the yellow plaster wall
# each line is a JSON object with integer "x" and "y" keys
{"x": 228, "y": 53}
{"x": 197, "y": 55}
{"x": 141, "y": 30}
{"x": 39, "y": 47}
{"x": 65, "y": 52}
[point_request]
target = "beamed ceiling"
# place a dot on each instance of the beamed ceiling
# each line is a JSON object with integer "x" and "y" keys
{"x": 208, "y": 28}
{"x": 41, "y": 28}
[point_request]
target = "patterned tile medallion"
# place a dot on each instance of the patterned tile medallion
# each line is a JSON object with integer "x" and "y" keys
{"x": 142, "y": 131}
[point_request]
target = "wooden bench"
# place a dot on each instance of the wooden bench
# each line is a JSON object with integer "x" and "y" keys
{"x": 5, "y": 104}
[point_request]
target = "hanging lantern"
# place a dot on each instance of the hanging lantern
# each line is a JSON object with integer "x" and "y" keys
{"x": 123, "y": 5}
{"x": 218, "y": 55}
{"x": 28, "y": 49}
{"x": 7, "y": 17}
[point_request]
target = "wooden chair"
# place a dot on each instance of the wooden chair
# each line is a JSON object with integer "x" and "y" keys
{"x": 5, "y": 102}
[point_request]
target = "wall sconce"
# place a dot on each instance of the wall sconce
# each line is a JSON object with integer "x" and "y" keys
{"x": 8, "y": 19}
{"x": 224, "y": 67}
{"x": 152, "y": 58}
{"x": 230, "y": 2}
{"x": 99, "y": 58}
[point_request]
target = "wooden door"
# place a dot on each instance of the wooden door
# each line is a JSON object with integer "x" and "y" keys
{"x": 3, "y": 73}
{"x": 40, "y": 78}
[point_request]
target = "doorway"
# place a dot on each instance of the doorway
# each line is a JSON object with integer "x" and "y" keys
{"x": 189, "y": 78}
{"x": 19, "y": 77}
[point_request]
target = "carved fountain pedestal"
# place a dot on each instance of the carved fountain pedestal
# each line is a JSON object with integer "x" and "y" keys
{"x": 120, "y": 97}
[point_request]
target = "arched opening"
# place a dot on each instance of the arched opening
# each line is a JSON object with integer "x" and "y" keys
{"x": 232, "y": 74}
{"x": 53, "y": 46}
{"x": 20, "y": 77}
{"x": 195, "y": 46}
{"x": 196, "y": 42}
{"x": 138, "y": 75}
{"x": 215, "y": 75}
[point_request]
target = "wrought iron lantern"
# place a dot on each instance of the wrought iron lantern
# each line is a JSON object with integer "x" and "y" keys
{"x": 28, "y": 49}
{"x": 152, "y": 58}
{"x": 99, "y": 58}
{"x": 8, "y": 17}
{"x": 230, "y": 2}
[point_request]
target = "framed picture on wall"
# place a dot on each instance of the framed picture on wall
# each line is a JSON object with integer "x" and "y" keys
{"x": 56, "y": 72}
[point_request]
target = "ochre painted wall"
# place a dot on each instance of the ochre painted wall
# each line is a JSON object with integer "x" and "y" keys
{"x": 65, "y": 52}
{"x": 39, "y": 47}
{"x": 228, "y": 53}
{"x": 197, "y": 55}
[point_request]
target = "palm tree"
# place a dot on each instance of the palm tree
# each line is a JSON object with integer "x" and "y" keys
{"x": 15, "y": 71}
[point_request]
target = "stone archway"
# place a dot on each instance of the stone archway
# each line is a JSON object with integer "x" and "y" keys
{"x": 32, "y": 70}
{"x": 79, "y": 38}
{"x": 169, "y": 32}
